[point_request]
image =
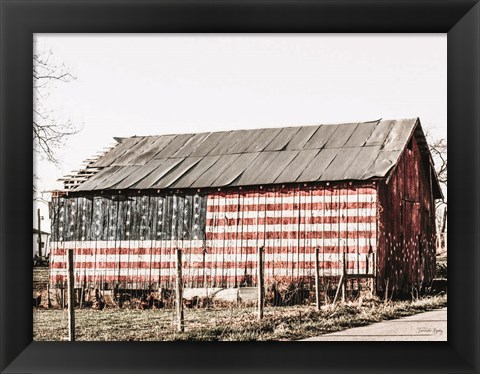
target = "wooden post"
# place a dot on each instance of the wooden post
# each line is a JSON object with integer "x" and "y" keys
{"x": 338, "y": 289}
{"x": 317, "y": 279}
{"x": 374, "y": 276}
{"x": 205, "y": 285}
{"x": 180, "y": 322}
{"x": 82, "y": 296}
{"x": 260, "y": 283}
{"x": 39, "y": 238}
{"x": 204, "y": 253}
{"x": 49, "y": 302}
{"x": 344, "y": 273}
{"x": 71, "y": 298}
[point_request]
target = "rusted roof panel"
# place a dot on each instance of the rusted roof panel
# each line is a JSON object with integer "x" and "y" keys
{"x": 282, "y": 139}
{"x": 176, "y": 173}
{"x": 98, "y": 178}
{"x": 399, "y": 135}
{"x": 217, "y": 169}
{"x": 276, "y": 166}
{"x": 318, "y": 165}
{"x": 380, "y": 133}
{"x": 256, "y": 167}
{"x": 301, "y": 138}
{"x": 338, "y": 167}
{"x": 152, "y": 149}
{"x": 362, "y": 162}
{"x": 196, "y": 172}
{"x": 167, "y": 165}
{"x": 149, "y": 148}
{"x": 361, "y": 134}
{"x": 117, "y": 177}
{"x": 235, "y": 169}
{"x": 382, "y": 164}
{"x": 132, "y": 152}
{"x": 139, "y": 174}
{"x": 171, "y": 148}
{"x": 209, "y": 143}
{"x": 297, "y": 166}
{"x": 112, "y": 155}
{"x": 263, "y": 140}
{"x": 321, "y": 136}
{"x": 244, "y": 139}
{"x": 341, "y": 135}
{"x": 191, "y": 145}
{"x": 224, "y": 146}
{"x": 248, "y": 157}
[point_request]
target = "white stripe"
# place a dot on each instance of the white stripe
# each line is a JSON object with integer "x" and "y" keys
{"x": 98, "y": 273}
{"x": 371, "y": 212}
{"x": 351, "y": 198}
{"x": 220, "y": 243}
{"x": 316, "y": 227}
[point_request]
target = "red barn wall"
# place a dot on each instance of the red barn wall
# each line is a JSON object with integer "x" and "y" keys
{"x": 406, "y": 254}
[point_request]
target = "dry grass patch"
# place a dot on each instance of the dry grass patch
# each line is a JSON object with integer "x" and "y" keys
{"x": 225, "y": 324}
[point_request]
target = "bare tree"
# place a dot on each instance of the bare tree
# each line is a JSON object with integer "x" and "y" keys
{"x": 49, "y": 131}
{"x": 438, "y": 148}
{"x": 439, "y": 154}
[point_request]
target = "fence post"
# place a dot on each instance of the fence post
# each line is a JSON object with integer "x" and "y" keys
{"x": 179, "y": 293}
{"x": 71, "y": 298}
{"x": 374, "y": 272}
{"x": 344, "y": 273}
{"x": 49, "y": 302}
{"x": 260, "y": 283}
{"x": 317, "y": 279}
{"x": 39, "y": 237}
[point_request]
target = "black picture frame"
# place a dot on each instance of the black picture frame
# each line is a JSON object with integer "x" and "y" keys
{"x": 21, "y": 19}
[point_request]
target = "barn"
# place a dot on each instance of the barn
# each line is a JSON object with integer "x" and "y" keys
{"x": 360, "y": 194}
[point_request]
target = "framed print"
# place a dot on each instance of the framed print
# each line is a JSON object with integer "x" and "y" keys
{"x": 279, "y": 170}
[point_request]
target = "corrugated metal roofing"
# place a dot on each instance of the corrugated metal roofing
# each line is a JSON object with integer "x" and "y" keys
{"x": 297, "y": 166}
{"x": 354, "y": 151}
{"x": 222, "y": 167}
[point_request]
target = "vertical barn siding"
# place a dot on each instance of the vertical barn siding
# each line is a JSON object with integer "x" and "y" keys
{"x": 407, "y": 220}
{"x": 130, "y": 241}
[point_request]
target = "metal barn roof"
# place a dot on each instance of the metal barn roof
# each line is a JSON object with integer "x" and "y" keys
{"x": 354, "y": 151}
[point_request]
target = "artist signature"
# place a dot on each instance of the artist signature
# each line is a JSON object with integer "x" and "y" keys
{"x": 429, "y": 330}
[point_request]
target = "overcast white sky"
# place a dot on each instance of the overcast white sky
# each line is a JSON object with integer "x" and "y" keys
{"x": 156, "y": 84}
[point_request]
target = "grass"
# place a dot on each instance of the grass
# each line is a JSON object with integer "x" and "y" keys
{"x": 224, "y": 324}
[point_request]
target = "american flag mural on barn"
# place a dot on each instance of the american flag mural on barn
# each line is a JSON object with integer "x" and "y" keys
{"x": 220, "y": 196}
{"x": 219, "y": 233}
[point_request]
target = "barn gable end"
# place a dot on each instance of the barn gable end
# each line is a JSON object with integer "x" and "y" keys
{"x": 407, "y": 218}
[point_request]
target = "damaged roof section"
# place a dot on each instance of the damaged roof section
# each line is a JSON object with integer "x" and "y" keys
{"x": 353, "y": 151}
